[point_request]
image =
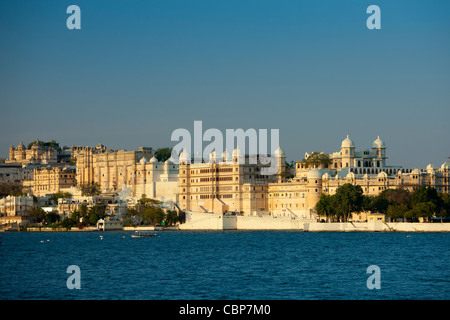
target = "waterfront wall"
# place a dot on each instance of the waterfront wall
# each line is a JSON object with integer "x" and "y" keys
{"x": 375, "y": 226}
{"x": 419, "y": 227}
{"x": 47, "y": 229}
{"x": 211, "y": 221}
{"x": 140, "y": 228}
{"x": 267, "y": 223}
{"x": 203, "y": 221}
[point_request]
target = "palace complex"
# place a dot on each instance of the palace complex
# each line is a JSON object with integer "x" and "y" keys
{"x": 223, "y": 183}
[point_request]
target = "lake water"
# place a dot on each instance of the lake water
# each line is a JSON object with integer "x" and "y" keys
{"x": 224, "y": 265}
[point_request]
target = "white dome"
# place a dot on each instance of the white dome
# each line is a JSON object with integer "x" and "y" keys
{"x": 415, "y": 171}
{"x": 279, "y": 153}
{"x": 378, "y": 143}
{"x": 314, "y": 174}
{"x": 430, "y": 166}
{"x": 153, "y": 159}
{"x": 170, "y": 160}
{"x": 185, "y": 156}
{"x": 237, "y": 152}
{"x": 350, "y": 175}
{"x": 143, "y": 160}
{"x": 212, "y": 155}
{"x": 446, "y": 165}
{"x": 347, "y": 143}
{"x": 382, "y": 174}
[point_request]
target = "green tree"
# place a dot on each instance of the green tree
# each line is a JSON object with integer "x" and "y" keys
{"x": 444, "y": 210}
{"x": 75, "y": 216}
{"x": 317, "y": 159}
{"x": 375, "y": 204}
{"x": 60, "y": 195}
{"x": 182, "y": 217}
{"x": 397, "y": 196}
{"x": 162, "y": 154}
{"x": 147, "y": 202}
{"x": 397, "y": 211}
{"x": 153, "y": 216}
{"x": 348, "y": 199}
{"x": 422, "y": 210}
{"x": 95, "y": 213}
{"x": 90, "y": 189}
{"x": 326, "y": 206}
{"x": 52, "y": 217}
{"x": 425, "y": 202}
{"x": 51, "y": 143}
{"x": 10, "y": 188}
{"x": 83, "y": 211}
{"x": 37, "y": 214}
{"x": 68, "y": 223}
{"x": 171, "y": 217}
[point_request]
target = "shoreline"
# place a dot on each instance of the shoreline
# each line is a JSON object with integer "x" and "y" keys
{"x": 200, "y": 221}
{"x": 405, "y": 227}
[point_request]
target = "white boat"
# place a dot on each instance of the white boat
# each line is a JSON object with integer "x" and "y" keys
{"x": 144, "y": 234}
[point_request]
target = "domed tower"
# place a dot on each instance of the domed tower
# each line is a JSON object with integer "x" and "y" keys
{"x": 12, "y": 156}
{"x": 347, "y": 152}
{"x": 314, "y": 187}
{"x": 281, "y": 158}
{"x": 213, "y": 157}
{"x": 184, "y": 180}
{"x": 379, "y": 148}
{"x": 238, "y": 156}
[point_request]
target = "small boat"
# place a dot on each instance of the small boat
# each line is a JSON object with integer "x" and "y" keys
{"x": 144, "y": 234}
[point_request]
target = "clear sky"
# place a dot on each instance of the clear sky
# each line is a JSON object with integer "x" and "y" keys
{"x": 137, "y": 70}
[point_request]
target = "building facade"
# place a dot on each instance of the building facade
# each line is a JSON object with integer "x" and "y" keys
{"x": 219, "y": 186}
{"x": 226, "y": 183}
{"x": 14, "y": 209}
{"x": 37, "y": 154}
{"x": 298, "y": 197}
{"x": 50, "y": 180}
{"x": 137, "y": 173}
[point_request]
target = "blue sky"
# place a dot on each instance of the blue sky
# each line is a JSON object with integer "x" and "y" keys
{"x": 137, "y": 70}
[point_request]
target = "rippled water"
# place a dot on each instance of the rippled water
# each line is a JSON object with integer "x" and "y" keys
{"x": 225, "y": 265}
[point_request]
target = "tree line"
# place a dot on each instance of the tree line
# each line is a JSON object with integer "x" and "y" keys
{"x": 424, "y": 202}
{"x": 84, "y": 217}
{"x": 149, "y": 212}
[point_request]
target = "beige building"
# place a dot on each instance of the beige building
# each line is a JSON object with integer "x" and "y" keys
{"x": 136, "y": 172}
{"x": 220, "y": 186}
{"x": 114, "y": 206}
{"x": 50, "y": 180}
{"x": 370, "y": 161}
{"x": 11, "y": 173}
{"x": 37, "y": 154}
{"x": 298, "y": 197}
{"x": 226, "y": 183}
{"x": 14, "y": 209}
